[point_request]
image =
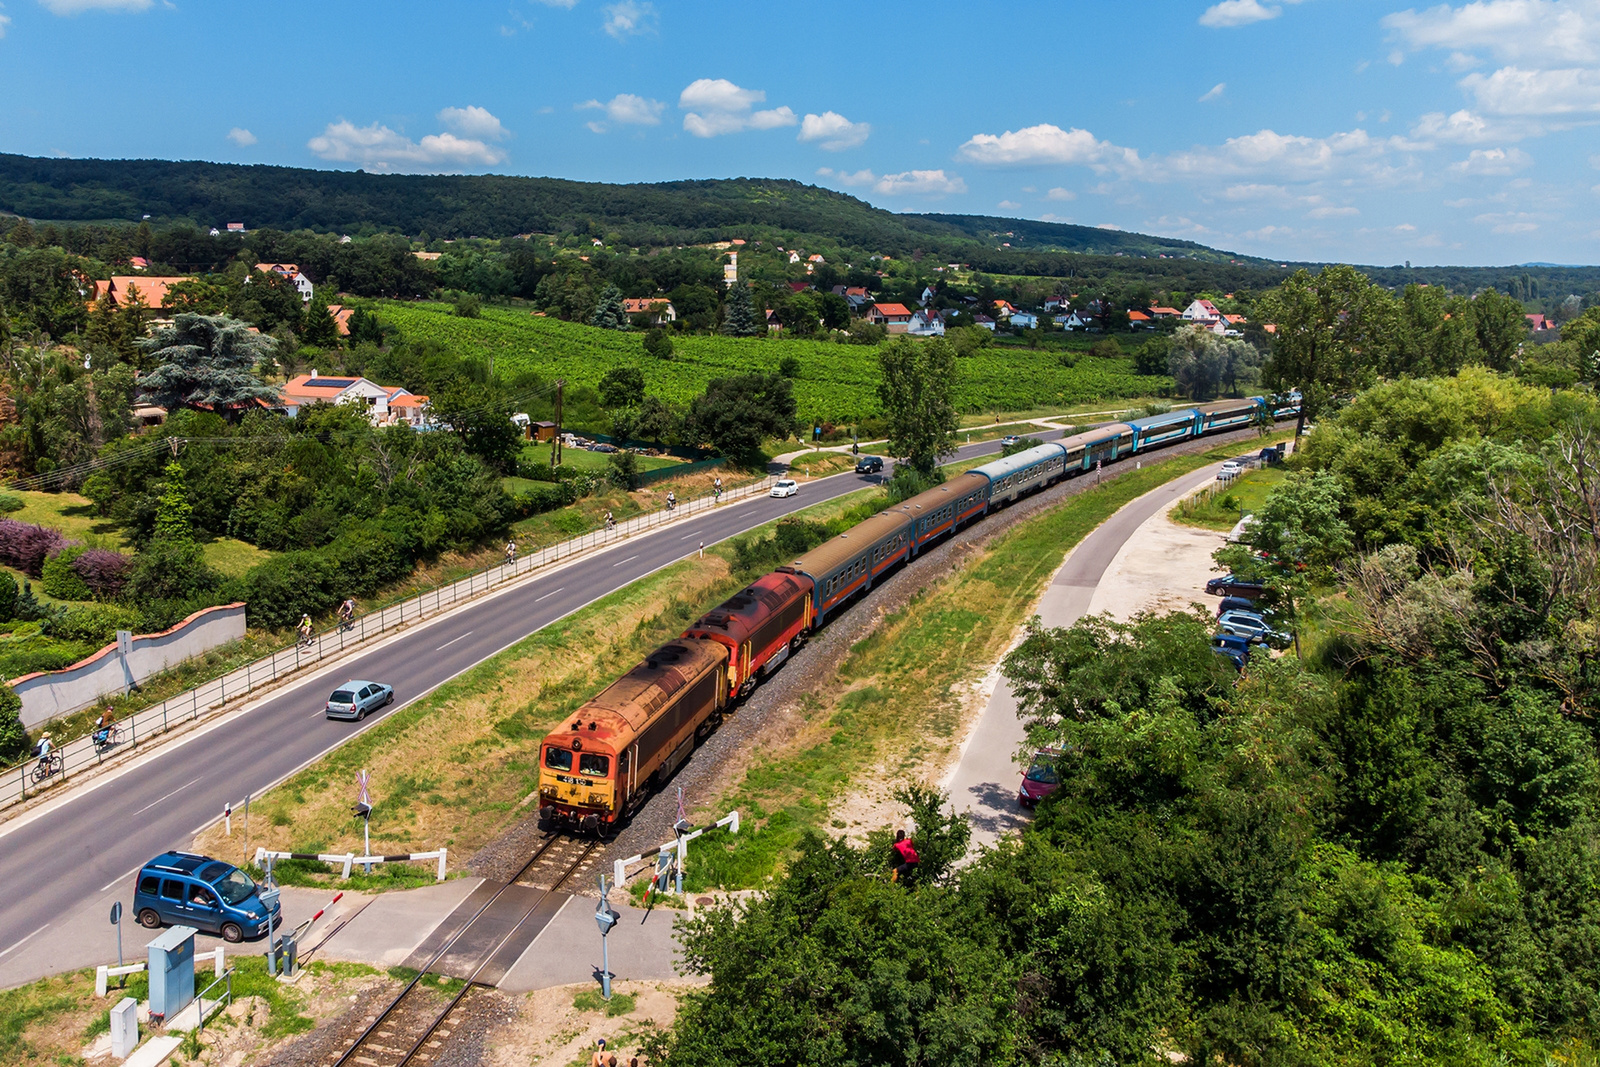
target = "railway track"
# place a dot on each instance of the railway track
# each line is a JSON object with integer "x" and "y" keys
{"x": 416, "y": 1025}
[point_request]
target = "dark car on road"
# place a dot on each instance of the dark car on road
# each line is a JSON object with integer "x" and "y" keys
{"x": 869, "y": 465}
{"x": 1232, "y": 585}
{"x": 1041, "y": 778}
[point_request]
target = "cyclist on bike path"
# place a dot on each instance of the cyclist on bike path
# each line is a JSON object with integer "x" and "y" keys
{"x": 45, "y": 748}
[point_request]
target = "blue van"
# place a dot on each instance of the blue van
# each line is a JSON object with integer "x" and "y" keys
{"x": 182, "y": 889}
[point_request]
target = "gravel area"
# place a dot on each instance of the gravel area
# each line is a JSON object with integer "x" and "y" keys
{"x": 479, "y": 1014}
{"x": 326, "y": 1043}
{"x": 773, "y": 709}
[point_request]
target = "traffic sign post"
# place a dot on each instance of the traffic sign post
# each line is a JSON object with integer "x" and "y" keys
{"x": 605, "y": 918}
{"x": 363, "y": 808}
{"x": 116, "y": 920}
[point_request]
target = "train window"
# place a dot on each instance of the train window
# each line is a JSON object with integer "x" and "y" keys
{"x": 594, "y": 765}
{"x": 558, "y": 759}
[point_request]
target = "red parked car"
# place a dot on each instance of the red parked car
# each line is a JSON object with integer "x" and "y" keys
{"x": 1041, "y": 778}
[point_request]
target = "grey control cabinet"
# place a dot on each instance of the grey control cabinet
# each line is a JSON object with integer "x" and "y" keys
{"x": 171, "y": 971}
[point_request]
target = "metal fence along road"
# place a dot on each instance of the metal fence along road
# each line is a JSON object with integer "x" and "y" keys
{"x": 24, "y": 780}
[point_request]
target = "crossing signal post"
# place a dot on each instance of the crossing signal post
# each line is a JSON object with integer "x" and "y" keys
{"x": 605, "y": 917}
{"x": 363, "y": 809}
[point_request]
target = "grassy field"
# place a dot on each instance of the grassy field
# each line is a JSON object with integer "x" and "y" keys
{"x": 234, "y": 557}
{"x": 458, "y": 767}
{"x": 582, "y": 459}
{"x": 837, "y": 382}
{"x": 70, "y": 513}
{"x": 1220, "y": 507}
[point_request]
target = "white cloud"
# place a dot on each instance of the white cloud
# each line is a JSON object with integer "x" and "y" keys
{"x": 1108, "y": 226}
{"x": 568, "y": 4}
{"x": 1508, "y": 222}
{"x": 628, "y": 109}
{"x": 630, "y": 18}
{"x": 1535, "y": 30}
{"x": 1059, "y": 193}
{"x": 379, "y": 148}
{"x": 1492, "y": 161}
{"x": 1284, "y": 155}
{"x": 1514, "y": 91}
{"x": 5, "y": 20}
{"x": 1045, "y": 143}
{"x": 1213, "y": 93}
{"x": 723, "y": 107}
{"x": 1008, "y": 205}
{"x": 78, "y": 7}
{"x": 1331, "y": 212}
{"x": 1466, "y": 127}
{"x": 834, "y": 131}
{"x": 1230, "y": 13}
{"x": 906, "y": 183}
{"x": 241, "y": 137}
{"x": 471, "y": 121}
{"x": 920, "y": 183}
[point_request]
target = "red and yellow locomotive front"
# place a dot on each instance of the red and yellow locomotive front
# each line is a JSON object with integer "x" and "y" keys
{"x": 578, "y": 778}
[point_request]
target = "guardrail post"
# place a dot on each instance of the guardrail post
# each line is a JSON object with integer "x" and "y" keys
{"x": 349, "y": 858}
{"x": 441, "y": 865}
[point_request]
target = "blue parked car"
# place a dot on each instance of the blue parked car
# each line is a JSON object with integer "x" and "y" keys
{"x": 1235, "y": 648}
{"x": 183, "y": 889}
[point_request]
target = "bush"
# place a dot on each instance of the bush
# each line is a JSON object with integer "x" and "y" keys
{"x": 8, "y": 597}
{"x": 545, "y": 497}
{"x": 26, "y": 546}
{"x": 13, "y": 738}
{"x": 169, "y": 570}
{"x": 624, "y": 470}
{"x": 907, "y": 482}
{"x": 276, "y": 593}
{"x": 61, "y": 580}
{"x": 11, "y": 502}
{"x": 95, "y": 624}
{"x": 103, "y": 571}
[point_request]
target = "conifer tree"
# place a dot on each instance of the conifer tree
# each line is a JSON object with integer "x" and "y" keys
{"x": 741, "y": 316}
{"x": 609, "y": 313}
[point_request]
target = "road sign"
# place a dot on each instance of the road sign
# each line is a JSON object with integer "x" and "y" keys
{"x": 124, "y": 642}
{"x": 116, "y": 913}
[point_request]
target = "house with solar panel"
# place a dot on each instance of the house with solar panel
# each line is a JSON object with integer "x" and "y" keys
{"x": 387, "y": 405}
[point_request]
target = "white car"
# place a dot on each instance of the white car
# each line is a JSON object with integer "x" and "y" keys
{"x": 1231, "y": 469}
{"x": 785, "y": 487}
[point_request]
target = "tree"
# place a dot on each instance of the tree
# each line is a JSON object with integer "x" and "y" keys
{"x": 206, "y": 360}
{"x": 789, "y": 367}
{"x": 1500, "y": 327}
{"x": 480, "y": 415}
{"x": 1196, "y": 361}
{"x": 621, "y": 387}
{"x": 171, "y": 566}
{"x": 736, "y": 414}
{"x": 609, "y": 313}
{"x": 317, "y": 327}
{"x": 174, "y": 513}
{"x": 799, "y": 315}
{"x": 13, "y": 736}
{"x": 657, "y": 344}
{"x": 1333, "y": 330}
{"x": 740, "y": 319}
{"x": 917, "y": 390}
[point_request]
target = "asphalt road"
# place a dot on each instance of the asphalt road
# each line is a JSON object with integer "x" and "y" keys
{"x": 73, "y": 859}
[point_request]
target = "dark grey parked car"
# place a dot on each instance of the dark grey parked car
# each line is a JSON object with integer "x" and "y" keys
{"x": 354, "y": 699}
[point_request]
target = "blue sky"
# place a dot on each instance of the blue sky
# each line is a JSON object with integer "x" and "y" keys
{"x": 1360, "y": 130}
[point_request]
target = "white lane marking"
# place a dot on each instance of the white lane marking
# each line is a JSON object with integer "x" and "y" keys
{"x": 174, "y": 793}
{"x": 548, "y": 595}
{"x": 685, "y": 537}
{"x": 30, "y": 937}
{"x": 452, "y": 641}
{"x": 119, "y": 878}
{"x": 620, "y": 562}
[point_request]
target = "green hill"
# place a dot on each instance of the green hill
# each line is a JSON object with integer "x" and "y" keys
{"x": 487, "y": 205}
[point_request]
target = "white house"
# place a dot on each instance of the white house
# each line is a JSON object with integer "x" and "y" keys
{"x": 983, "y": 322}
{"x": 928, "y": 294}
{"x": 1202, "y": 311}
{"x": 659, "y": 308}
{"x": 1024, "y": 320}
{"x": 1078, "y": 320}
{"x": 293, "y": 273}
{"x": 385, "y": 404}
{"x": 926, "y": 324}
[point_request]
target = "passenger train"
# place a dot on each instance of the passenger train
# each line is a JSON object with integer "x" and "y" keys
{"x": 622, "y": 745}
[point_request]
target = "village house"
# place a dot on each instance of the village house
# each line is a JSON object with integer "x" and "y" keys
{"x": 1164, "y": 313}
{"x": 926, "y": 323}
{"x": 152, "y": 291}
{"x": 896, "y": 318}
{"x": 291, "y": 272}
{"x": 928, "y": 295}
{"x": 659, "y": 309}
{"x": 1138, "y": 320}
{"x": 983, "y": 322}
{"x": 341, "y": 318}
{"x": 1538, "y": 323}
{"x": 1203, "y": 312}
{"x": 387, "y": 405}
{"x": 1024, "y": 320}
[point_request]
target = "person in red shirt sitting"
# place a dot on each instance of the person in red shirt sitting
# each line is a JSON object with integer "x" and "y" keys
{"x": 906, "y": 856}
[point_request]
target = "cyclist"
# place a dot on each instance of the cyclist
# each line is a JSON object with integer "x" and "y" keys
{"x": 45, "y": 748}
{"x": 102, "y": 732}
{"x": 672, "y": 500}
{"x": 611, "y": 523}
{"x": 347, "y": 612}
{"x": 304, "y": 629}
{"x": 511, "y": 551}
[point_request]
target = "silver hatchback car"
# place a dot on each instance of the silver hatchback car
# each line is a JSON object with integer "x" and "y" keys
{"x": 354, "y": 699}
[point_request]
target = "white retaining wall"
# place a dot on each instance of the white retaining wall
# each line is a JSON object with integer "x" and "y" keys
{"x": 48, "y": 694}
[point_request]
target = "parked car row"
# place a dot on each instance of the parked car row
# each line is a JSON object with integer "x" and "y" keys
{"x": 1240, "y": 624}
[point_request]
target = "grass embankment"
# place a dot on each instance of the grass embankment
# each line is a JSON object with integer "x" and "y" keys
{"x": 897, "y": 706}
{"x": 1220, "y": 507}
{"x": 459, "y": 766}
{"x": 51, "y": 1021}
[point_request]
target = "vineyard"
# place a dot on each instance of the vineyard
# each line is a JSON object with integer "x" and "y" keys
{"x": 837, "y": 382}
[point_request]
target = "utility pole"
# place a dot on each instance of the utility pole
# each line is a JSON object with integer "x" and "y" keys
{"x": 555, "y": 441}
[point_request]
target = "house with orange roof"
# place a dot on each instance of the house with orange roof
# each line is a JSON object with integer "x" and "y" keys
{"x": 341, "y": 318}
{"x": 896, "y": 318}
{"x": 386, "y": 405}
{"x": 292, "y": 272}
{"x": 1235, "y": 320}
{"x": 659, "y": 308}
{"x": 1139, "y": 320}
{"x": 1165, "y": 313}
{"x": 138, "y": 263}
{"x": 152, "y": 291}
